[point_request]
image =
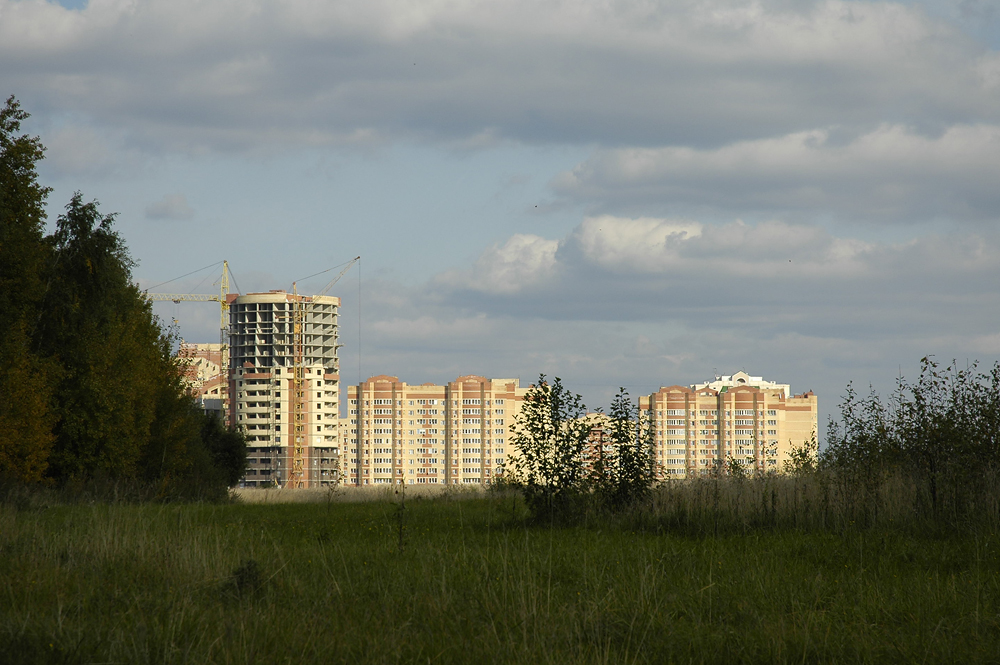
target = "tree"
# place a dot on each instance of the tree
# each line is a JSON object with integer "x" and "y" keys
{"x": 227, "y": 447}
{"x": 935, "y": 426}
{"x": 550, "y": 435}
{"x": 23, "y": 256}
{"x": 103, "y": 333}
{"x": 89, "y": 388}
{"x": 26, "y": 415}
{"x": 630, "y": 471}
{"x": 124, "y": 413}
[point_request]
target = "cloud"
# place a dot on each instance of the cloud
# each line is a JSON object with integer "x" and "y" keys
{"x": 768, "y": 278}
{"x": 171, "y": 206}
{"x": 187, "y": 75}
{"x": 890, "y": 172}
{"x": 644, "y": 244}
{"x": 794, "y": 116}
{"x": 522, "y": 261}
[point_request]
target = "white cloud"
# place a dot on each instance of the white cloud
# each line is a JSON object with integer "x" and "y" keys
{"x": 648, "y": 302}
{"x": 622, "y": 246}
{"x": 521, "y": 262}
{"x": 171, "y": 206}
{"x": 643, "y": 244}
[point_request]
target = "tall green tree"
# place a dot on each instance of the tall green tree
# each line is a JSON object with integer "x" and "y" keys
{"x": 114, "y": 355}
{"x": 26, "y": 415}
{"x": 22, "y": 219}
{"x": 89, "y": 388}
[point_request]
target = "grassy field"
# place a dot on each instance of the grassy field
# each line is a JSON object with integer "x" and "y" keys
{"x": 473, "y": 582}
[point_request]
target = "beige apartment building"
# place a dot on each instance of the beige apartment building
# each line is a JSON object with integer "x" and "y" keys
{"x": 449, "y": 434}
{"x": 742, "y": 417}
{"x": 284, "y": 387}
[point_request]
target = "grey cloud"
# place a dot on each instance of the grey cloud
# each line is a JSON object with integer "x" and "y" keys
{"x": 192, "y": 76}
{"x": 171, "y": 206}
{"x": 891, "y": 173}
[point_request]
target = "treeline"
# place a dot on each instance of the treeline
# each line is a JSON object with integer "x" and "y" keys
{"x": 90, "y": 395}
{"x": 930, "y": 451}
{"x": 925, "y": 457}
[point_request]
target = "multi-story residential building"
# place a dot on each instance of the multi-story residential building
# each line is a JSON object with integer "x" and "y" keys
{"x": 739, "y": 417}
{"x": 284, "y": 387}
{"x": 449, "y": 434}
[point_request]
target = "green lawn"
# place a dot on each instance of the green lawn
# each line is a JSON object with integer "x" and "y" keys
{"x": 316, "y": 583}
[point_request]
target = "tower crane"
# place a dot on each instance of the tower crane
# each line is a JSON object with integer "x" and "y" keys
{"x": 223, "y": 300}
{"x": 301, "y": 308}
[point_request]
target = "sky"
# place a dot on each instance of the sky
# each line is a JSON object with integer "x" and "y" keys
{"x": 631, "y": 193}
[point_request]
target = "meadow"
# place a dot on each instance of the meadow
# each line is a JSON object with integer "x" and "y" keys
{"x": 470, "y": 578}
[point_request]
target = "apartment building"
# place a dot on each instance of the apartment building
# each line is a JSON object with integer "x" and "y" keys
{"x": 449, "y": 434}
{"x": 284, "y": 387}
{"x": 741, "y": 417}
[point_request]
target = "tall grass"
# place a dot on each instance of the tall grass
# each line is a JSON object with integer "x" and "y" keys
{"x": 816, "y": 502}
{"x": 476, "y": 581}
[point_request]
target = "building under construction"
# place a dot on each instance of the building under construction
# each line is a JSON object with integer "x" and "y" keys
{"x": 203, "y": 374}
{"x": 284, "y": 378}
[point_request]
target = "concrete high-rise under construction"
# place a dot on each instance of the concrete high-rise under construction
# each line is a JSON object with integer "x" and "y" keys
{"x": 284, "y": 383}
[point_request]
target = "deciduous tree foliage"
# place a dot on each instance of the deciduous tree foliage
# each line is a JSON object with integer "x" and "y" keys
{"x": 630, "y": 467}
{"x": 550, "y": 434}
{"x": 89, "y": 391}
{"x": 935, "y": 442}
{"x": 26, "y": 416}
{"x": 562, "y": 469}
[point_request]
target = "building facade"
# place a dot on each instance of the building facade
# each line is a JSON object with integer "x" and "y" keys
{"x": 449, "y": 434}
{"x": 743, "y": 418}
{"x": 284, "y": 383}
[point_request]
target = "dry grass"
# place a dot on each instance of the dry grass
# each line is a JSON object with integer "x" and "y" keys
{"x": 353, "y": 494}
